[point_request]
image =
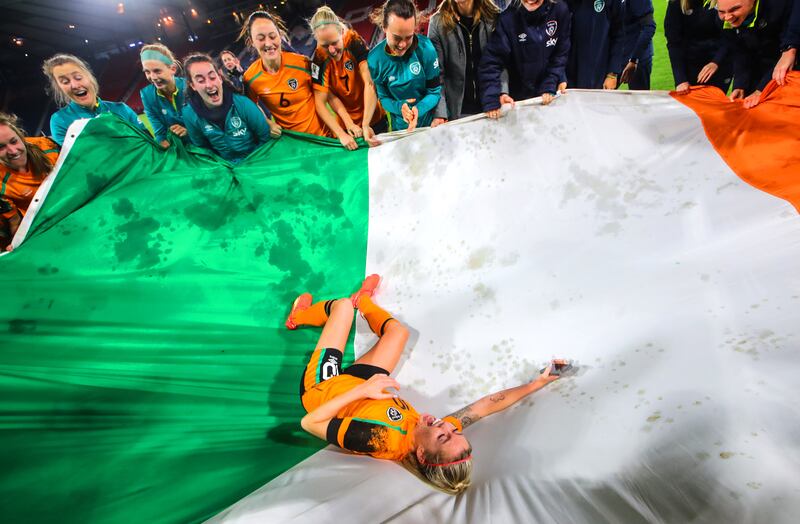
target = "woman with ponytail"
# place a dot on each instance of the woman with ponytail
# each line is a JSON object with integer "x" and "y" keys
{"x": 405, "y": 67}
{"x": 353, "y": 408}
{"x": 341, "y": 78}
{"x": 280, "y": 79}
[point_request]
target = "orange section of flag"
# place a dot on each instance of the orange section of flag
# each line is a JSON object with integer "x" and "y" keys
{"x": 761, "y": 145}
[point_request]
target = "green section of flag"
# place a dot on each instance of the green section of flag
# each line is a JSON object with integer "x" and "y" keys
{"x": 145, "y": 372}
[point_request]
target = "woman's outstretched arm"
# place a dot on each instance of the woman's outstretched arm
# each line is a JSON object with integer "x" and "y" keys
{"x": 506, "y": 398}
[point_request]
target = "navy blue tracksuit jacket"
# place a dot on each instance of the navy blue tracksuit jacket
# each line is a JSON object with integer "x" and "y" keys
{"x": 755, "y": 45}
{"x": 532, "y": 46}
{"x": 597, "y": 43}
{"x": 639, "y": 30}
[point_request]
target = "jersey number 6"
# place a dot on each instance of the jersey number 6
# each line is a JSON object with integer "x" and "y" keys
{"x": 283, "y": 102}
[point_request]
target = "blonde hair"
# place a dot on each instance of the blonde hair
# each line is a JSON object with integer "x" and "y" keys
{"x": 450, "y": 477}
{"x": 485, "y": 10}
{"x": 54, "y": 89}
{"x": 160, "y": 48}
{"x": 325, "y": 16}
{"x": 686, "y": 5}
{"x": 37, "y": 159}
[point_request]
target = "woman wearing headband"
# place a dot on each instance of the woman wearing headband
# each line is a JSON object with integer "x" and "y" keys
{"x": 279, "y": 79}
{"x": 74, "y": 87}
{"x": 341, "y": 78}
{"x": 163, "y": 99}
{"x": 351, "y": 407}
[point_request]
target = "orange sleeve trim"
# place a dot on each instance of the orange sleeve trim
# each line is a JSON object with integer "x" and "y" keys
{"x": 343, "y": 431}
{"x": 759, "y": 144}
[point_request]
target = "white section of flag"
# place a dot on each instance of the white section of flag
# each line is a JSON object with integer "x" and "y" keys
{"x": 603, "y": 229}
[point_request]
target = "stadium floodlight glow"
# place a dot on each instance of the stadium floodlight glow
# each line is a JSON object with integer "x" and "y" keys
{"x": 71, "y": 26}
{"x": 132, "y": 44}
{"x": 121, "y": 8}
{"x": 17, "y": 40}
{"x": 194, "y": 12}
{"x": 86, "y": 40}
{"x": 208, "y": 21}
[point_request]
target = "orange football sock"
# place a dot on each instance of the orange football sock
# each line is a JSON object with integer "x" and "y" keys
{"x": 377, "y": 318}
{"x": 314, "y": 315}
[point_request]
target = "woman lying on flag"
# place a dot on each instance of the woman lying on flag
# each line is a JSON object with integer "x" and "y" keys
{"x": 24, "y": 164}
{"x": 216, "y": 117}
{"x": 531, "y": 42}
{"x": 351, "y": 407}
{"x": 405, "y": 67}
{"x": 73, "y": 86}
{"x": 341, "y": 78}
{"x": 163, "y": 99}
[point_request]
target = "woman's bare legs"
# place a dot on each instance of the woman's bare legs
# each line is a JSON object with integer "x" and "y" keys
{"x": 337, "y": 328}
{"x": 387, "y": 351}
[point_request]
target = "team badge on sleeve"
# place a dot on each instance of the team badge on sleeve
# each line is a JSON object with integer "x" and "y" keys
{"x": 599, "y": 5}
{"x": 394, "y": 414}
{"x": 292, "y": 83}
{"x": 348, "y": 65}
{"x": 551, "y": 27}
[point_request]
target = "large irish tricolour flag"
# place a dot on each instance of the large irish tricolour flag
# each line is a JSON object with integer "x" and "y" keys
{"x": 146, "y": 376}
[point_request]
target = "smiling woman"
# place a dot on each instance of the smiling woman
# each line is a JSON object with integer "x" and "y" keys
{"x": 163, "y": 99}
{"x": 24, "y": 164}
{"x": 73, "y": 86}
{"x": 351, "y": 407}
{"x": 279, "y": 79}
{"x": 341, "y": 78}
{"x": 217, "y": 118}
{"x": 405, "y": 67}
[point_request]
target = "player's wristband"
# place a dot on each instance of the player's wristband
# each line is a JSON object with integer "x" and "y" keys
{"x": 612, "y": 75}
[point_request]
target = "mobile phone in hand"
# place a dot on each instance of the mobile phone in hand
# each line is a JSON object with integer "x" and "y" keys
{"x": 558, "y": 369}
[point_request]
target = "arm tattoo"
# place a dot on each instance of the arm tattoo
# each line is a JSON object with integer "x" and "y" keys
{"x": 466, "y": 416}
{"x": 497, "y": 397}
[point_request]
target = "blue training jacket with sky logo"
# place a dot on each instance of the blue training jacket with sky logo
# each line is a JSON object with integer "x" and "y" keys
{"x": 246, "y": 128}
{"x": 532, "y": 45}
